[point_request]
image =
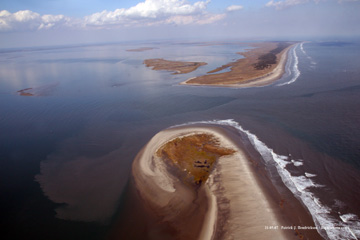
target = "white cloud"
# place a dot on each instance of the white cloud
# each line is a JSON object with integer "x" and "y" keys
{"x": 234, "y": 8}
{"x": 49, "y": 21}
{"x": 285, "y": 3}
{"x": 199, "y": 20}
{"x": 282, "y": 4}
{"x": 146, "y": 13}
{"x": 154, "y": 12}
{"x": 28, "y": 20}
{"x": 158, "y": 8}
{"x": 342, "y": 1}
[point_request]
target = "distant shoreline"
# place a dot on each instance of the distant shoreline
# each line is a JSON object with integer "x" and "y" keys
{"x": 142, "y": 49}
{"x": 242, "y": 72}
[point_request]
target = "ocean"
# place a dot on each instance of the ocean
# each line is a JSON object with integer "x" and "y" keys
{"x": 66, "y": 151}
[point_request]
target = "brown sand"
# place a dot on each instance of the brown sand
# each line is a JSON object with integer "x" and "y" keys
{"x": 178, "y": 67}
{"x": 243, "y": 72}
{"x": 232, "y": 204}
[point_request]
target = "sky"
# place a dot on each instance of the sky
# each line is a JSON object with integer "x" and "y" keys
{"x": 58, "y": 22}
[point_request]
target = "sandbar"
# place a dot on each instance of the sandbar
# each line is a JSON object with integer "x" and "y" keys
{"x": 43, "y": 90}
{"x": 231, "y": 204}
{"x": 261, "y": 66}
{"x": 25, "y": 92}
{"x": 178, "y": 67}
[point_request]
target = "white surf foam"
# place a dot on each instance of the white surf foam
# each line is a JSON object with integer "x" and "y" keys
{"x": 307, "y": 55}
{"x": 349, "y": 217}
{"x": 297, "y": 163}
{"x": 310, "y": 175}
{"x": 302, "y": 48}
{"x": 345, "y": 226}
{"x": 295, "y": 69}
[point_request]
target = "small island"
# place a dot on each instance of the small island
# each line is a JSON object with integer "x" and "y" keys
{"x": 178, "y": 67}
{"x": 43, "y": 90}
{"x": 25, "y": 92}
{"x": 198, "y": 183}
{"x": 263, "y": 64}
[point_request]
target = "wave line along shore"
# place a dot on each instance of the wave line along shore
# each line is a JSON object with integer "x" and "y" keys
{"x": 261, "y": 66}
{"x": 232, "y": 203}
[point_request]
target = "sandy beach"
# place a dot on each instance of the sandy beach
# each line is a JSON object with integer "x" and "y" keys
{"x": 243, "y": 72}
{"x": 232, "y": 204}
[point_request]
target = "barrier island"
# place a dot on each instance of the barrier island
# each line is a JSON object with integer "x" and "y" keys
{"x": 261, "y": 65}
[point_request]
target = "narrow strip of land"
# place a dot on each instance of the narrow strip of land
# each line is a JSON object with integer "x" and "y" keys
{"x": 178, "y": 67}
{"x": 25, "y": 92}
{"x": 37, "y": 91}
{"x": 260, "y": 66}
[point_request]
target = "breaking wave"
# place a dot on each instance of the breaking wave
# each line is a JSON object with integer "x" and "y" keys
{"x": 295, "y": 69}
{"x": 346, "y": 226}
{"x": 310, "y": 175}
{"x": 308, "y": 57}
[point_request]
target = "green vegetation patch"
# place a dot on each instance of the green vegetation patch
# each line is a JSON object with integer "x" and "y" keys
{"x": 266, "y": 60}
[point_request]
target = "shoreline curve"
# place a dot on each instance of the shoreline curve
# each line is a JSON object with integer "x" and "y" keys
{"x": 230, "y": 204}
{"x": 259, "y": 81}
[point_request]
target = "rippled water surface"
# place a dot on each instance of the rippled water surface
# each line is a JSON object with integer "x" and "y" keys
{"x": 66, "y": 152}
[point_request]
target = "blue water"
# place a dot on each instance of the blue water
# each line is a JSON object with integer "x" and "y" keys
{"x": 66, "y": 152}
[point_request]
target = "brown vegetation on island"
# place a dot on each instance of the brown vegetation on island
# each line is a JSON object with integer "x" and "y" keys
{"x": 257, "y": 63}
{"x": 236, "y": 201}
{"x": 24, "y": 92}
{"x": 270, "y": 58}
{"x": 178, "y": 67}
{"x": 194, "y": 154}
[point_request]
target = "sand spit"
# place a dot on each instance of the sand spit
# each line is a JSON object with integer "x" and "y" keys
{"x": 246, "y": 72}
{"x": 43, "y": 90}
{"x": 178, "y": 67}
{"x": 231, "y": 204}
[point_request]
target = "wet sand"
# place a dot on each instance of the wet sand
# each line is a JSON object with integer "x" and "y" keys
{"x": 178, "y": 67}
{"x": 243, "y": 72}
{"x": 234, "y": 203}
